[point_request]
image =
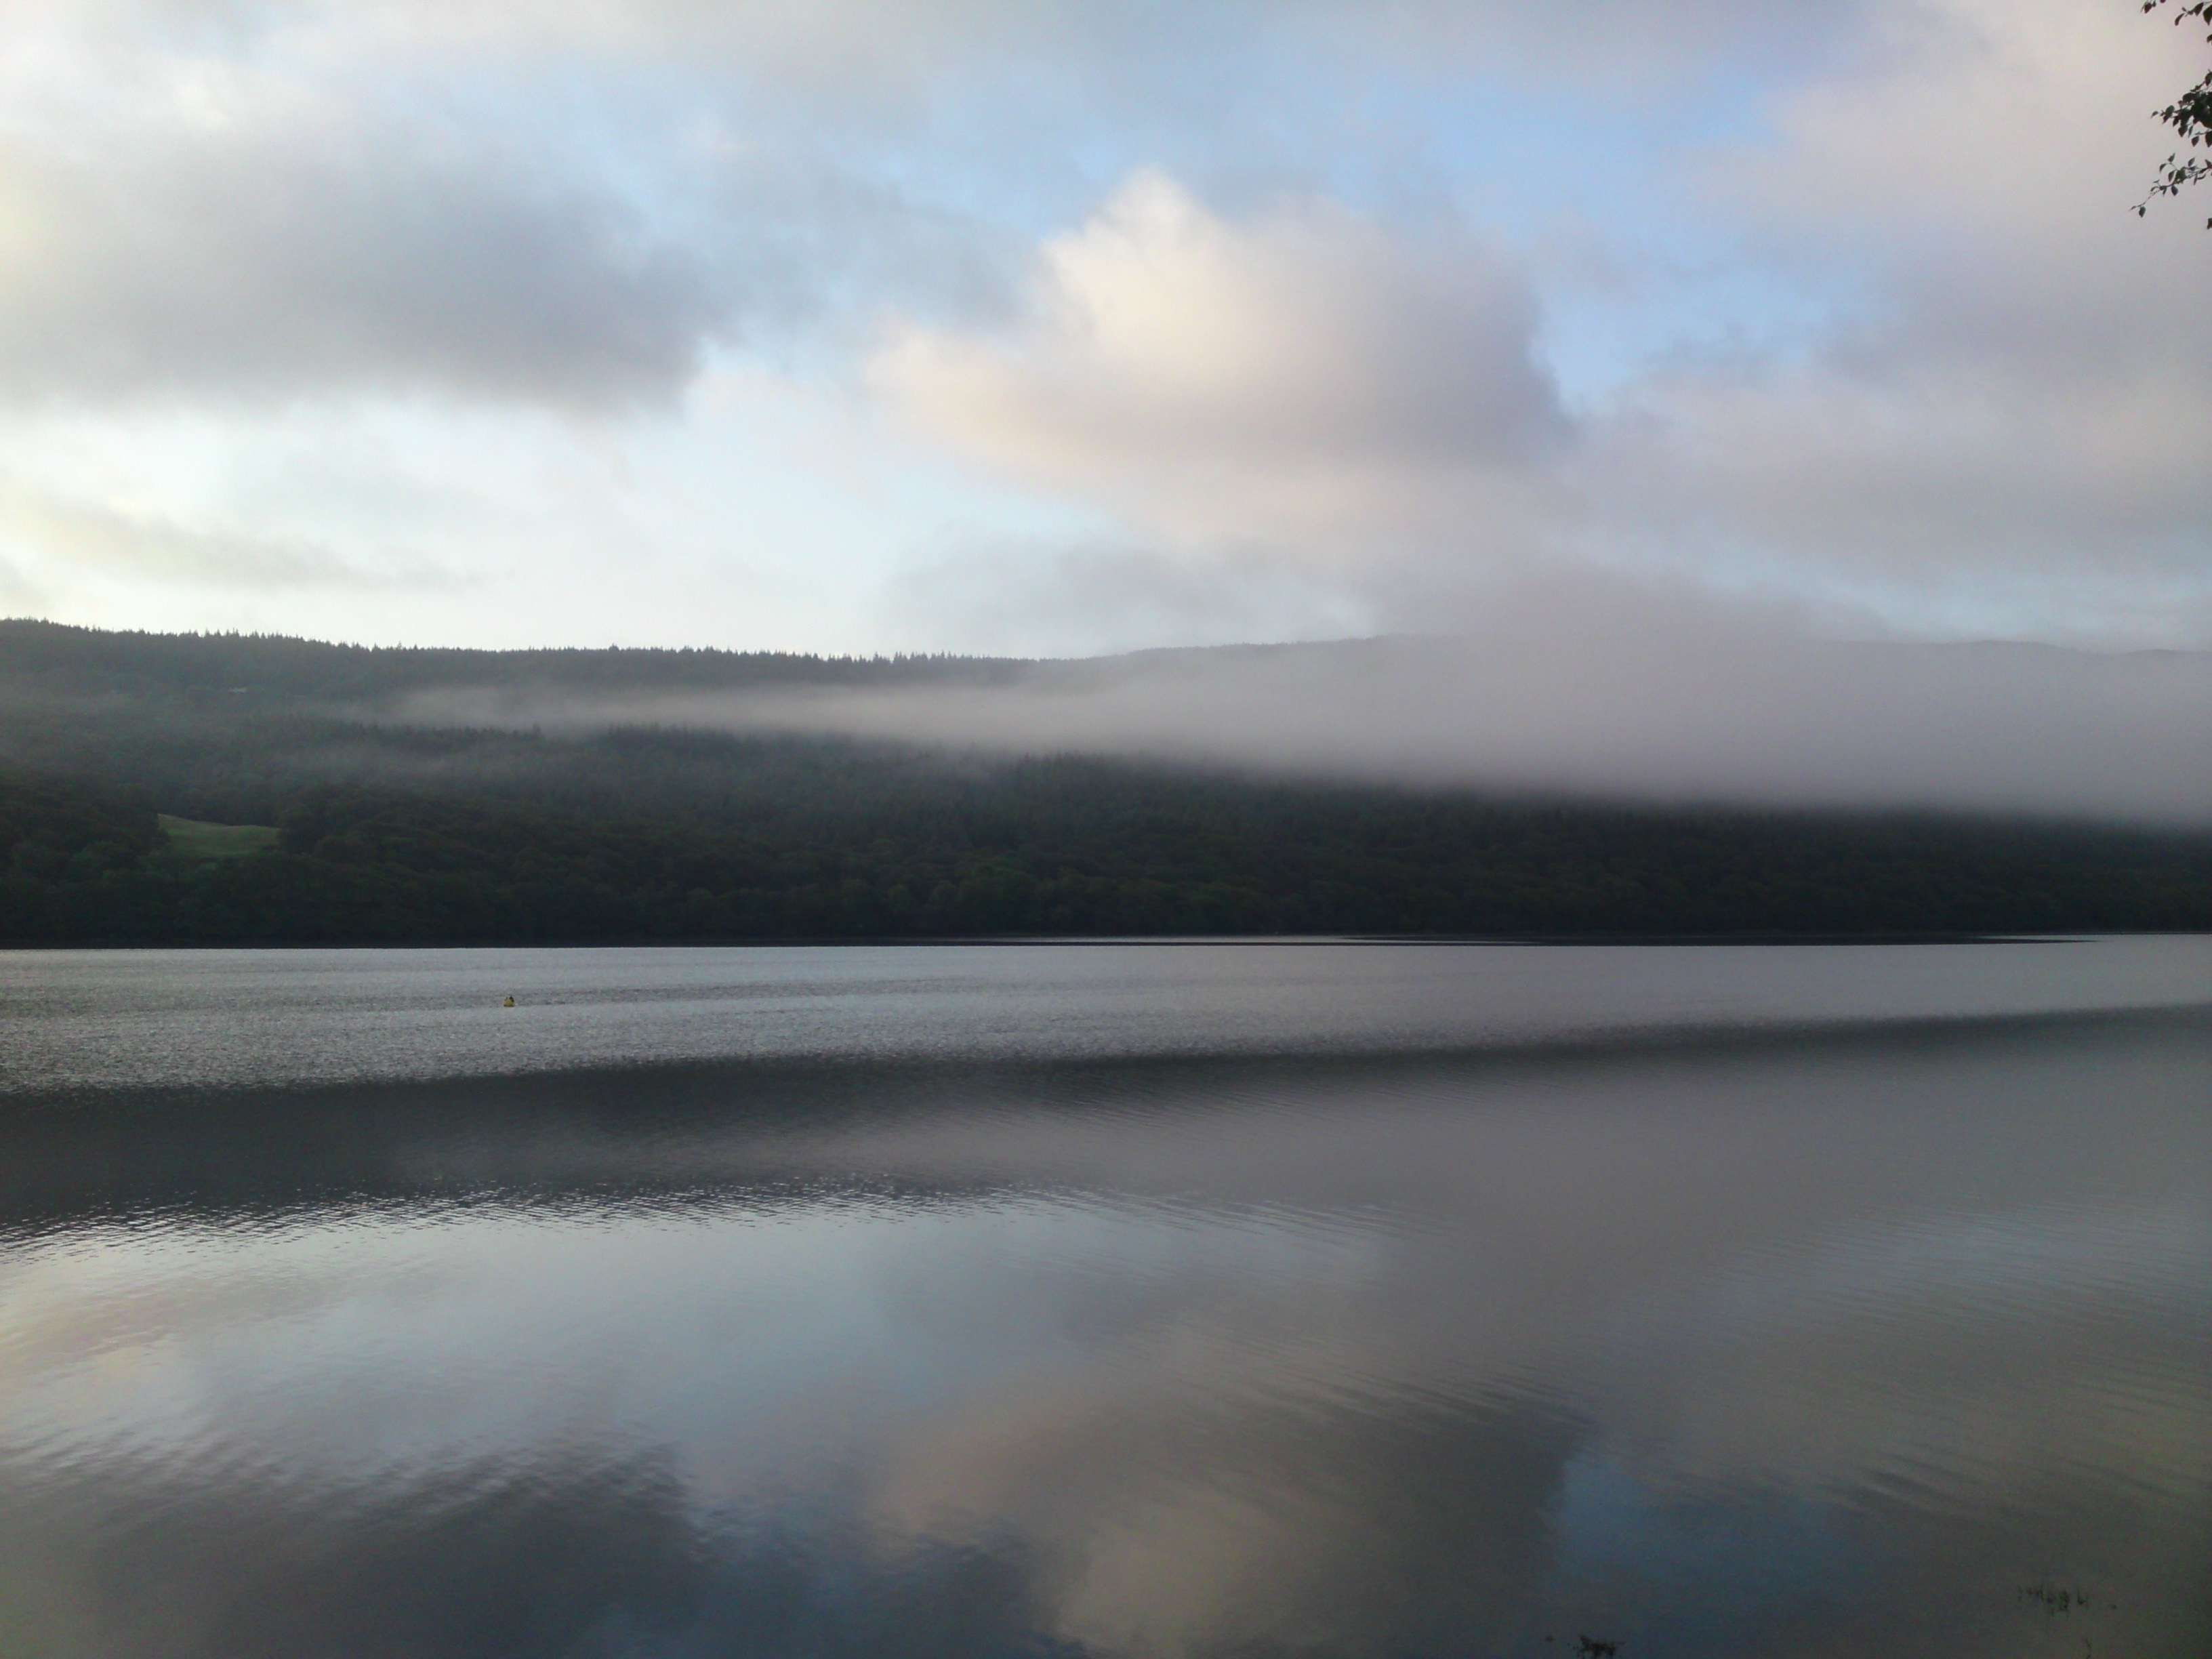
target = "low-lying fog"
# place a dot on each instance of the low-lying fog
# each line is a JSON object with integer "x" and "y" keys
{"x": 1681, "y": 703}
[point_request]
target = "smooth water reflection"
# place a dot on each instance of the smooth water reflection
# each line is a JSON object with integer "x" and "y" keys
{"x": 1808, "y": 1345}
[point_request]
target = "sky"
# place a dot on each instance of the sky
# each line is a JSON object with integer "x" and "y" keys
{"x": 1073, "y": 326}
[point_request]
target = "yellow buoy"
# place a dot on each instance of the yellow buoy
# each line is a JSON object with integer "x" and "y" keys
{"x": 509, "y": 1003}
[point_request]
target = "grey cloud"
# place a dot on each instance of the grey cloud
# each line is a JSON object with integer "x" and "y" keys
{"x": 291, "y": 259}
{"x": 294, "y": 211}
{"x": 2082, "y": 506}
{"x": 2018, "y": 393}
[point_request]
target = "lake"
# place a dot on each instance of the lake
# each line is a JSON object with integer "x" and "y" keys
{"x": 1242, "y": 1300}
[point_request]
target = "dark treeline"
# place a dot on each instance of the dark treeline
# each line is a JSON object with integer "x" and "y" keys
{"x": 56, "y": 658}
{"x": 449, "y": 836}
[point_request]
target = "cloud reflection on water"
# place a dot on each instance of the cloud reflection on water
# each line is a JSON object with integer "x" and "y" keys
{"x": 1803, "y": 1346}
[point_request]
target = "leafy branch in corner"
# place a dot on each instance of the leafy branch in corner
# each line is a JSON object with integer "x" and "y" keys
{"x": 2190, "y": 116}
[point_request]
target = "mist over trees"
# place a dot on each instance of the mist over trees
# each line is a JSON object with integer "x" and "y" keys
{"x": 394, "y": 834}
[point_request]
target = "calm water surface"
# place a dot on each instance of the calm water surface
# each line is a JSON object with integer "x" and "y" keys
{"x": 1090, "y": 1300}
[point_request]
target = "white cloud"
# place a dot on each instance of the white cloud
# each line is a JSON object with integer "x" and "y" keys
{"x": 1299, "y": 377}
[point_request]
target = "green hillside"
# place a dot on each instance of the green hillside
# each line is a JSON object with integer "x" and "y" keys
{"x": 196, "y": 840}
{"x": 142, "y": 803}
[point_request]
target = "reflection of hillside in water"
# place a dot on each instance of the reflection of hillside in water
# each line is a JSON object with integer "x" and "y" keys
{"x": 1805, "y": 1343}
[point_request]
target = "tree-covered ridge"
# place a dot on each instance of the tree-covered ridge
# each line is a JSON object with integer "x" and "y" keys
{"x": 60, "y": 658}
{"x": 450, "y": 835}
{"x": 1059, "y": 846}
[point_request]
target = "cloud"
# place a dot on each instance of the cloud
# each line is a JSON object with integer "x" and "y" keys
{"x": 2014, "y": 401}
{"x": 875, "y": 45}
{"x": 304, "y": 255}
{"x": 1940, "y": 498}
{"x": 151, "y": 543}
{"x": 1294, "y": 374}
{"x": 209, "y": 201}
{"x": 1989, "y": 424}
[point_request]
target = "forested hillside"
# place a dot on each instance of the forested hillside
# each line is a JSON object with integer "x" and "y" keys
{"x": 54, "y": 658}
{"x": 393, "y": 835}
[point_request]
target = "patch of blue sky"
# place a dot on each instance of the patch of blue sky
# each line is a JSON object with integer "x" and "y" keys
{"x": 1638, "y": 263}
{"x": 1713, "y": 317}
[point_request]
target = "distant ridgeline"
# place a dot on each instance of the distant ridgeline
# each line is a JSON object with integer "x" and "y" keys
{"x": 48, "y": 656}
{"x": 223, "y": 789}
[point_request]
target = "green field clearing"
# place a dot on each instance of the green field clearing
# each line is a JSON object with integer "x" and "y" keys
{"x": 216, "y": 841}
